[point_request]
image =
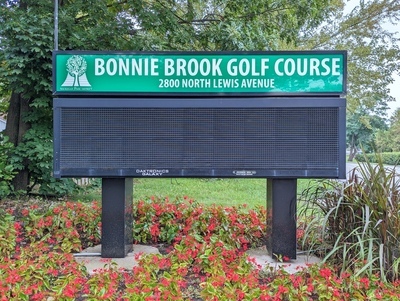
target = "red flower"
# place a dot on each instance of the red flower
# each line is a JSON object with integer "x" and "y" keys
{"x": 154, "y": 230}
{"x": 300, "y": 233}
{"x": 211, "y": 227}
{"x": 296, "y": 280}
{"x": 68, "y": 223}
{"x": 69, "y": 291}
{"x": 336, "y": 293}
{"x": 182, "y": 271}
{"x": 38, "y": 296}
{"x": 240, "y": 295}
{"x": 282, "y": 290}
{"x": 182, "y": 283}
{"x": 17, "y": 226}
{"x": 326, "y": 273}
{"x": 13, "y": 277}
{"x": 286, "y": 258}
{"x": 365, "y": 282}
{"x": 265, "y": 298}
{"x": 48, "y": 221}
{"x": 232, "y": 276}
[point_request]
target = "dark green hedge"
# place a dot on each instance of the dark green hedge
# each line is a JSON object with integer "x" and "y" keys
{"x": 387, "y": 158}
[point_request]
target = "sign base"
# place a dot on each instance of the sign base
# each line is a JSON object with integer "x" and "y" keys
{"x": 281, "y": 218}
{"x": 117, "y": 218}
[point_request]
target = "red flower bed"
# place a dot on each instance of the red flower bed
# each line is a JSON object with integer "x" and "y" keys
{"x": 203, "y": 257}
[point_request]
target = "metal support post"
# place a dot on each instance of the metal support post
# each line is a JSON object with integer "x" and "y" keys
{"x": 281, "y": 217}
{"x": 117, "y": 218}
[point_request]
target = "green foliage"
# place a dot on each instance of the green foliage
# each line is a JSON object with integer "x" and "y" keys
{"x": 373, "y": 54}
{"x": 37, "y": 146}
{"x": 222, "y": 25}
{"x": 26, "y": 29}
{"x": 6, "y": 167}
{"x": 359, "y": 221}
{"x": 383, "y": 141}
{"x": 26, "y": 43}
{"x": 3, "y": 103}
{"x": 26, "y": 68}
{"x": 362, "y": 127}
{"x": 389, "y": 140}
{"x": 373, "y": 51}
{"x": 392, "y": 158}
{"x": 162, "y": 220}
{"x": 8, "y": 234}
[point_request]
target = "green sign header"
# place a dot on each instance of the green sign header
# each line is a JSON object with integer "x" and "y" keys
{"x": 199, "y": 73}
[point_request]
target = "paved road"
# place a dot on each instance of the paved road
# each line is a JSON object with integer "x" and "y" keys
{"x": 351, "y": 165}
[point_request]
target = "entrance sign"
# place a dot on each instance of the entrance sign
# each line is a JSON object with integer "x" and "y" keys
{"x": 199, "y": 73}
{"x": 274, "y": 115}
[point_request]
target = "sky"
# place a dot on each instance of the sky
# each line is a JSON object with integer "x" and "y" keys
{"x": 394, "y": 87}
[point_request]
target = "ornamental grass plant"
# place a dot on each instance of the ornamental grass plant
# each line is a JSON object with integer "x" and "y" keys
{"x": 355, "y": 224}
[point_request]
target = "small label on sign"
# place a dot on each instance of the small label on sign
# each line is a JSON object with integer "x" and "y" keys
{"x": 152, "y": 172}
{"x": 244, "y": 172}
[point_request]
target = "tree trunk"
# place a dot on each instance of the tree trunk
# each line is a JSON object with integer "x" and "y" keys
{"x": 16, "y": 128}
{"x": 353, "y": 149}
{"x": 353, "y": 152}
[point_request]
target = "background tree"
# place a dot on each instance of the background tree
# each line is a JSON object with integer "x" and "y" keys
{"x": 373, "y": 60}
{"x": 362, "y": 127}
{"x": 26, "y": 42}
{"x": 394, "y": 131}
{"x": 389, "y": 140}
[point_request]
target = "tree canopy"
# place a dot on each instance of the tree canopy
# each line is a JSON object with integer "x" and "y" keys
{"x": 388, "y": 140}
{"x": 373, "y": 60}
{"x": 26, "y": 43}
{"x": 373, "y": 51}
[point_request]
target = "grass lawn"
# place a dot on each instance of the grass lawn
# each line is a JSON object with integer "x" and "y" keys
{"x": 224, "y": 192}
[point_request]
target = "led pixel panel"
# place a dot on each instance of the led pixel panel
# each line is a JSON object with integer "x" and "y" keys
{"x": 233, "y": 137}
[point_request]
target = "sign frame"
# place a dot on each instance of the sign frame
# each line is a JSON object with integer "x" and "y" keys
{"x": 223, "y": 92}
{"x": 78, "y": 94}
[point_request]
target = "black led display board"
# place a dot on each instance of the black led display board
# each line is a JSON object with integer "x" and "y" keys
{"x": 200, "y": 137}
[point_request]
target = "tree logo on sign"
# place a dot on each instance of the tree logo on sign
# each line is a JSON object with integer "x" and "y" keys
{"x": 76, "y": 72}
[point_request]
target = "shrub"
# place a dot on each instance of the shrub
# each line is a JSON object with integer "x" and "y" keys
{"x": 8, "y": 234}
{"x": 165, "y": 221}
{"x": 359, "y": 220}
{"x": 386, "y": 158}
{"x": 68, "y": 226}
{"x": 36, "y": 148}
{"x": 6, "y": 168}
